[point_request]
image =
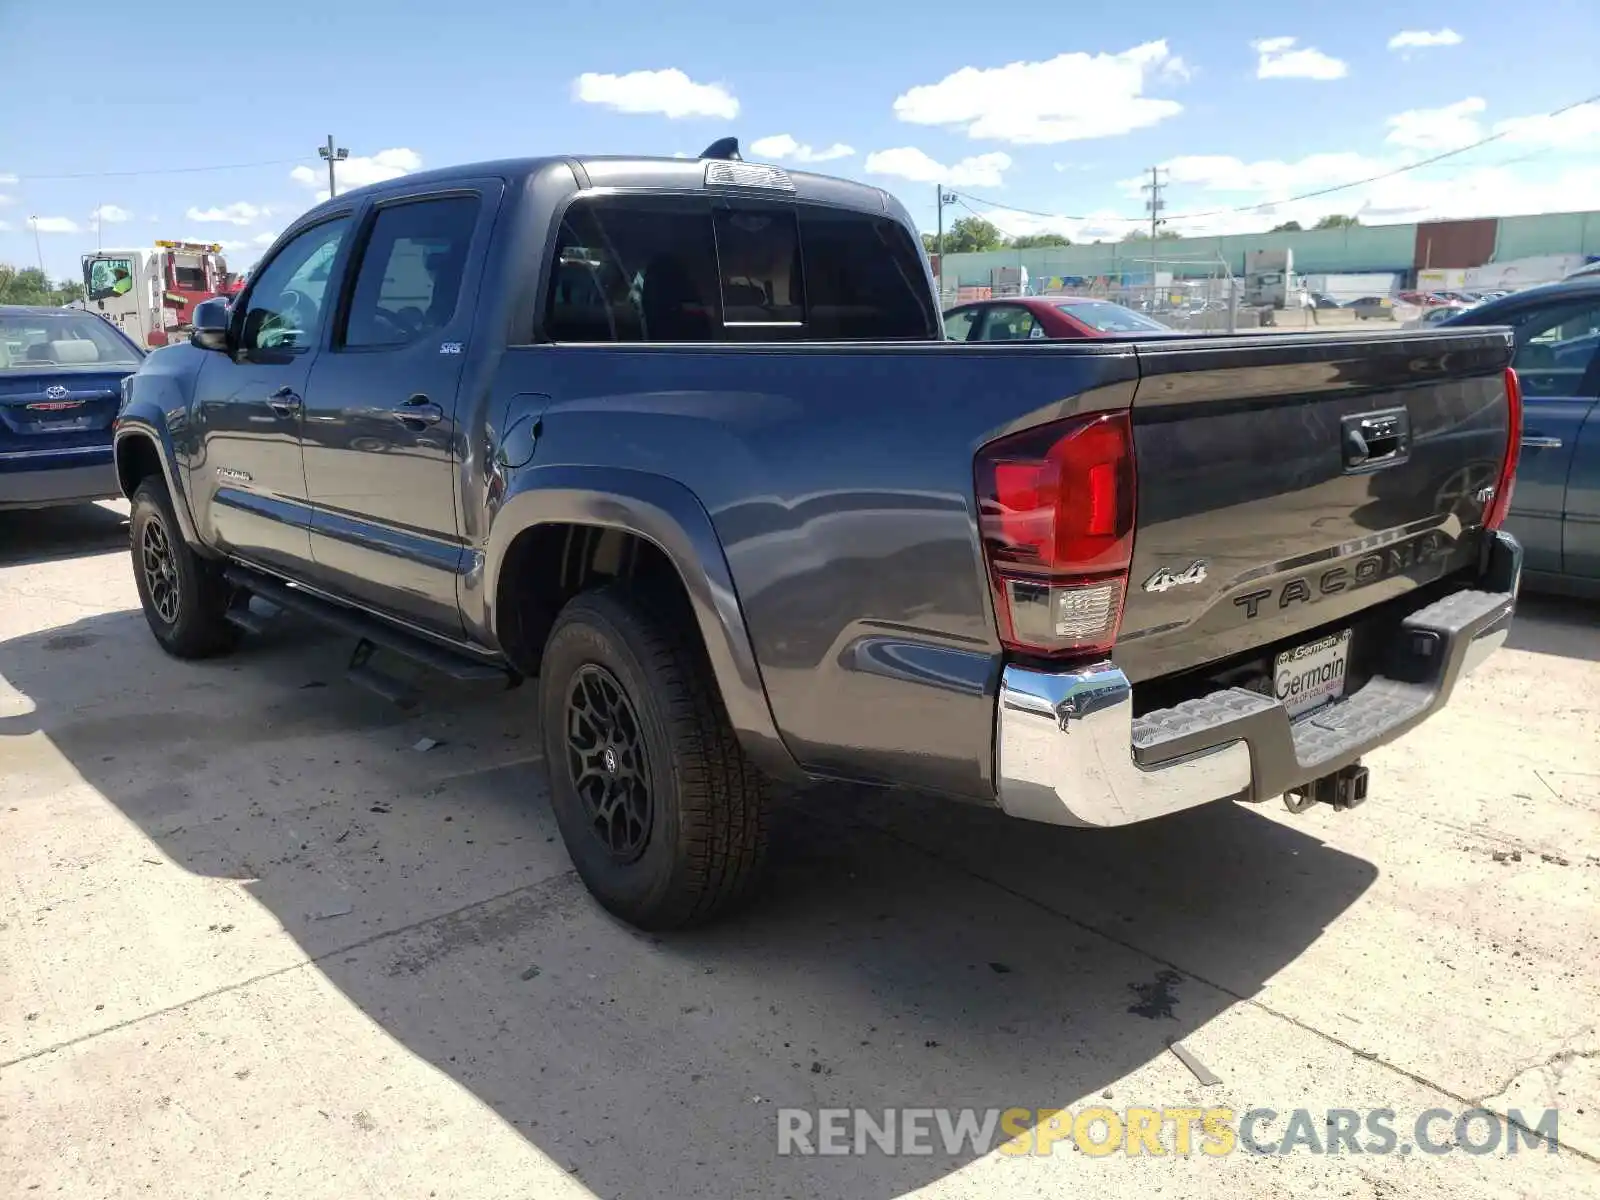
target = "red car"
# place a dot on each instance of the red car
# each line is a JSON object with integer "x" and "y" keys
{"x": 1030, "y": 318}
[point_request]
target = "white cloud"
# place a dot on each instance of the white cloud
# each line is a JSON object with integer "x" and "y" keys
{"x": 360, "y": 170}
{"x": 1279, "y": 58}
{"x": 110, "y": 214}
{"x": 5, "y": 227}
{"x": 54, "y": 224}
{"x": 670, "y": 93}
{"x": 265, "y": 239}
{"x": 1577, "y": 128}
{"x": 240, "y": 212}
{"x": 782, "y": 145}
{"x": 907, "y": 162}
{"x": 1272, "y": 177}
{"x": 7, "y": 178}
{"x": 5, "y": 199}
{"x": 1438, "y": 128}
{"x": 1066, "y": 98}
{"x": 1421, "y": 39}
{"x": 1439, "y": 193}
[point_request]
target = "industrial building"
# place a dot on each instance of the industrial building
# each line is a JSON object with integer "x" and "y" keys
{"x": 1491, "y": 252}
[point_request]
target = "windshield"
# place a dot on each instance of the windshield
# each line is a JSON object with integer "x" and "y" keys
{"x": 1106, "y": 317}
{"x": 108, "y": 277}
{"x": 33, "y": 340}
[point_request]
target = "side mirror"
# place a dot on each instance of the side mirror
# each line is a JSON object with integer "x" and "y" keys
{"x": 211, "y": 321}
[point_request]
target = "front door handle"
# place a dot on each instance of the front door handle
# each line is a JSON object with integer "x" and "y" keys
{"x": 1535, "y": 442}
{"x": 418, "y": 410}
{"x": 285, "y": 402}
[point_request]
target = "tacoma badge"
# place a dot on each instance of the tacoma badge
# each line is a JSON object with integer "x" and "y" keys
{"x": 1166, "y": 577}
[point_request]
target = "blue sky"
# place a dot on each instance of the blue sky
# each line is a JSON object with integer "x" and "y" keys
{"x": 1239, "y": 112}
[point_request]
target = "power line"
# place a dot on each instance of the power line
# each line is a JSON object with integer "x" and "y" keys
{"x": 273, "y": 162}
{"x": 1311, "y": 195}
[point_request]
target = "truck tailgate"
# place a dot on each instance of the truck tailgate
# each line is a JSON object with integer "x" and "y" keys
{"x": 1288, "y": 482}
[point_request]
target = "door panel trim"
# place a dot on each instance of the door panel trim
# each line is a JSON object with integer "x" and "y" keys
{"x": 415, "y": 547}
{"x": 292, "y": 513}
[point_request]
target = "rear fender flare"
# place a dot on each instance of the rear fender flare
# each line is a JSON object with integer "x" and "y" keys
{"x": 669, "y": 516}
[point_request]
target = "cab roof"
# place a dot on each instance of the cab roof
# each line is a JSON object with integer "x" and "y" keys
{"x": 635, "y": 173}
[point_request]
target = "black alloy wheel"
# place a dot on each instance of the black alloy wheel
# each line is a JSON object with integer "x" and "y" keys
{"x": 160, "y": 571}
{"x": 607, "y": 762}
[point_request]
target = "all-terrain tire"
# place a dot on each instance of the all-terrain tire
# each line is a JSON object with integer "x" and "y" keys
{"x": 698, "y": 851}
{"x": 184, "y": 596}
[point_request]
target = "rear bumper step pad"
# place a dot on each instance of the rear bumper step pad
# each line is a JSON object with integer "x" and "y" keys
{"x": 1437, "y": 645}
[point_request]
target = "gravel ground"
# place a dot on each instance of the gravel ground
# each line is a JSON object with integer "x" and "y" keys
{"x": 253, "y": 943}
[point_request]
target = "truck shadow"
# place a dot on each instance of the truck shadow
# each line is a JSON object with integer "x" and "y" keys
{"x": 907, "y": 953}
{"x": 1560, "y": 625}
{"x": 49, "y": 534}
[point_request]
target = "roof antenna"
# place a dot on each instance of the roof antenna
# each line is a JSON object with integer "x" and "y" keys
{"x": 724, "y": 148}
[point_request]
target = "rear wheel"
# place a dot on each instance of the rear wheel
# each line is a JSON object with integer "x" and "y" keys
{"x": 665, "y": 819}
{"x": 185, "y": 598}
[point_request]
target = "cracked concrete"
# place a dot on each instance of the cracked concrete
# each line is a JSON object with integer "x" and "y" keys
{"x": 251, "y": 943}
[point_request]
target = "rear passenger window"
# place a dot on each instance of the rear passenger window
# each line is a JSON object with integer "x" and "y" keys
{"x": 1556, "y": 349}
{"x": 410, "y": 275}
{"x": 634, "y": 270}
{"x": 668, "y": 269}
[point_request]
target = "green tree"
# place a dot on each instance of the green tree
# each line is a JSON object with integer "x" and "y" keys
{"x": 1288, "y": 227}
{"x": 1143, "y": 235}
{"x": 1039, "y": 241}
{"x": 930, "y": 243}
{"x": 29, "y": 285}
{"x": 969, "y": 235}
{"x": 1335, "y": 221}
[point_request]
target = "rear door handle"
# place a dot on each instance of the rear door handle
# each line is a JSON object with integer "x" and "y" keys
{"x": 1536, "y": 442}
{"x": 285, "y": 402}
{"x": 418, "y": 410}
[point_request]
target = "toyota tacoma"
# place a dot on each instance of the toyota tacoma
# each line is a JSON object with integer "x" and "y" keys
{"x": 683, "y": 441}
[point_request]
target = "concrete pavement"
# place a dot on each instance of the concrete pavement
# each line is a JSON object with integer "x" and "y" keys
{"x": 253, "y": 943}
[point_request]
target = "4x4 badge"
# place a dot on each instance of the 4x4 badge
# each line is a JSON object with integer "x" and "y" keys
{"x": 1166, "y": 577}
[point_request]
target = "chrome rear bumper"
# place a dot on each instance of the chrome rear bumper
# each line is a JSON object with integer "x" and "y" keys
{"x": 1069, "y": 750}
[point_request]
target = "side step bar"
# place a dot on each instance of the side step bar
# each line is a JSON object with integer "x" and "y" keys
{"x": 432, "y": 655}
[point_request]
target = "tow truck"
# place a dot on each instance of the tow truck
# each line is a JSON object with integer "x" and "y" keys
{"x": 150, "y": 294}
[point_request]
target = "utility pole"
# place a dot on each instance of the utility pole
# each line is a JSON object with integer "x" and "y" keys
{"x": 38, "y": 247}
{"x": 1154, "y": 204}
{"x": 942, "y": 198}
{"x": 332, "y": 154}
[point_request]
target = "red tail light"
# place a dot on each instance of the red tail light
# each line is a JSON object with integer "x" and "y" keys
{"x": 1055, "y": 512}
{"x": 1495, "y": 515}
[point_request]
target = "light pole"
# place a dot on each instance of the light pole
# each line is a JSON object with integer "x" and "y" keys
{"x": 38, "y": 247}
{"x": 942, "y": 198}
{"x": 332, "y": 154}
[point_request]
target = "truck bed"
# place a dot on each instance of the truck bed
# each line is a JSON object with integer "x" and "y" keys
{"x": 840, "y": 481}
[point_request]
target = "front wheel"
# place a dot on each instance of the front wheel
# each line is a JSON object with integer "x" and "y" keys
{"x": 665, "y": 819}
{"x": 185, "y": 598}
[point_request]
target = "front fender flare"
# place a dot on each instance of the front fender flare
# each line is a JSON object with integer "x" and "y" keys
{"x": 144, "y": 418}
{"x": 670, "y": 516}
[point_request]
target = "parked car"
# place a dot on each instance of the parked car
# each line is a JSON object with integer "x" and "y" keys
{"x": 1372, "y": 307}
{"x": 1033, "y": 318}
{"x": 1429, "y": 317}
{"x": 1323, "y": 300}
{"x": 682, "y": 440}
{"x": 61, "y": 373}
{"x": 1555, "y": 512}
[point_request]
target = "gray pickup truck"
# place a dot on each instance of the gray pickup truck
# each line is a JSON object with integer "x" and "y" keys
{"x": 682, "y": 439}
